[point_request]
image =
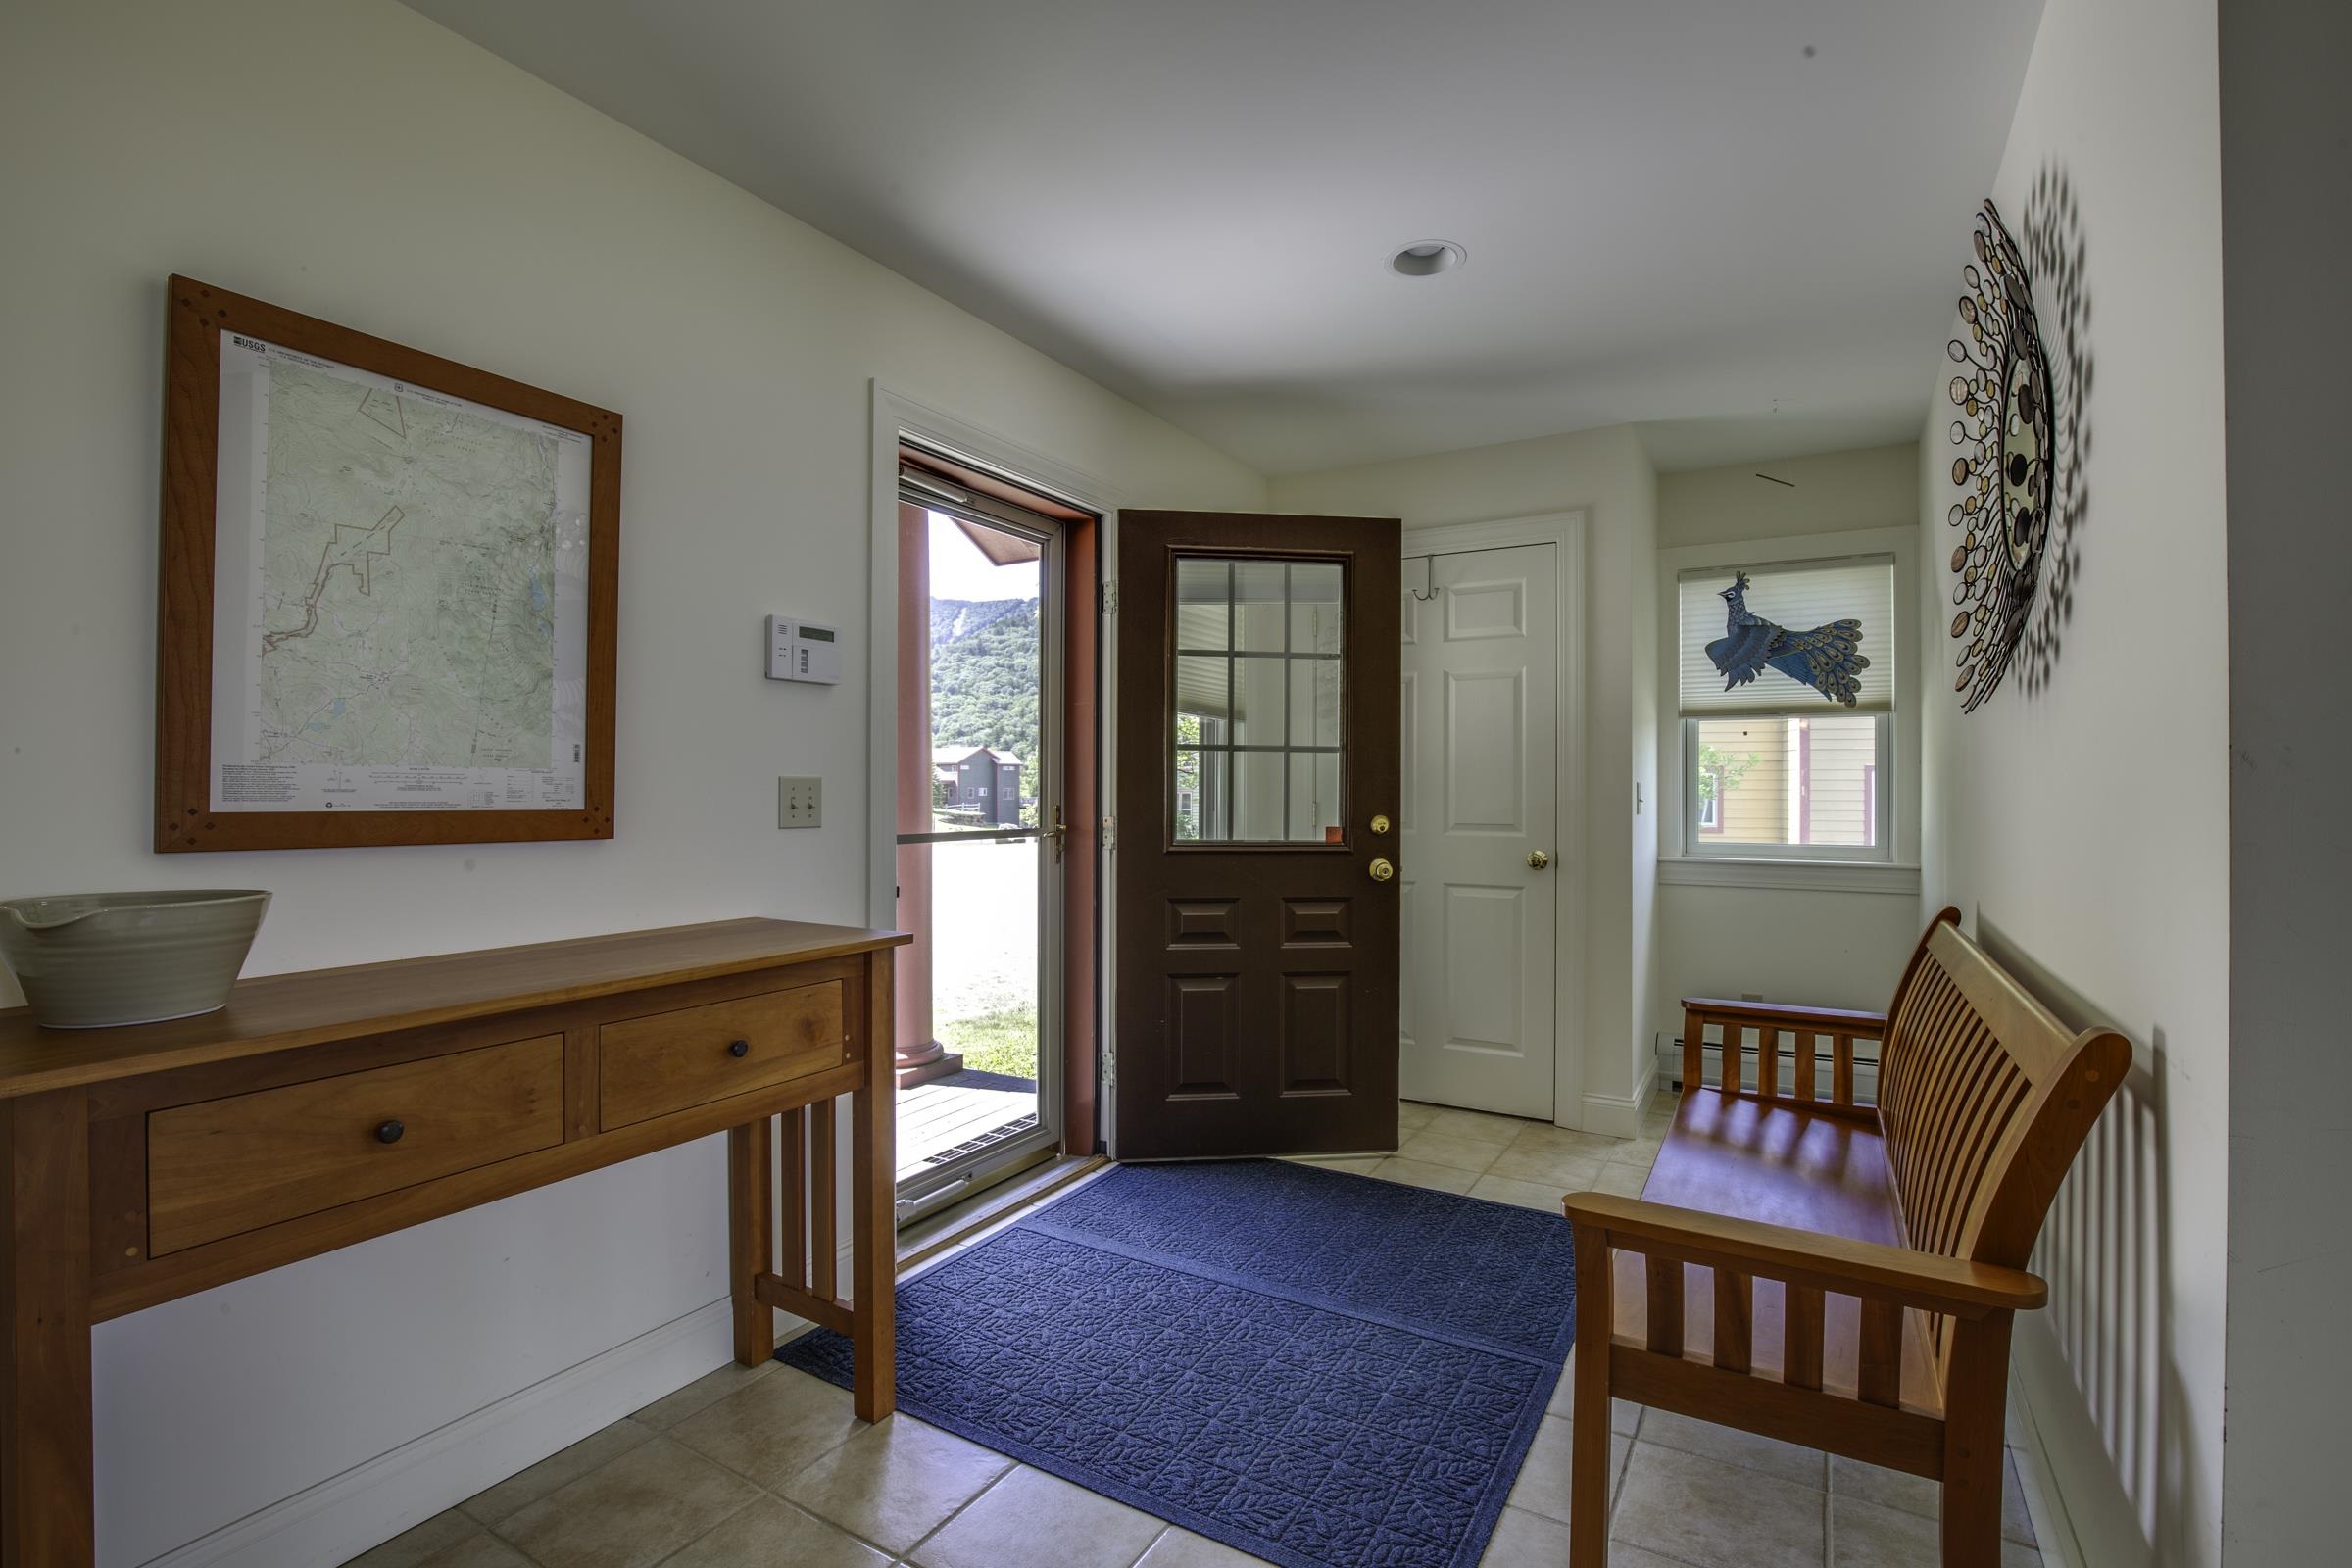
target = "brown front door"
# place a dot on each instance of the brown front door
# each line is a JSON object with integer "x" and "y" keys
{"x": 1257, "y": 806}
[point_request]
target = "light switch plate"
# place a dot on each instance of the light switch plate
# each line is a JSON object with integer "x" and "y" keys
{"x": 800, "y": 801}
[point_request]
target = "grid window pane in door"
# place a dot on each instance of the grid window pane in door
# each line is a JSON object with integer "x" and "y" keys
{"x": 1258, "y": 749}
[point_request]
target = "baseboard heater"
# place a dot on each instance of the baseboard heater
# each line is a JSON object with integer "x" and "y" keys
{"x": 1866, "y": 1067}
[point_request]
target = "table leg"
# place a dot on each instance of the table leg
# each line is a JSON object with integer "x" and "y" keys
{"x": 45, "y": 1484}
{"x": 873, "y": 1215}
{"x": 750, "y": 1234}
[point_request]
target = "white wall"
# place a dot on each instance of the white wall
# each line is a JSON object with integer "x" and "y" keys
{"x": 1607, "y": 473}
{"x": 349, "y": 159}
{"x": 1833, "y": 948}
{"x": 2086, "y": 827}
{"x": 2283, "y": 66}
{"x": 1830, "y": 492}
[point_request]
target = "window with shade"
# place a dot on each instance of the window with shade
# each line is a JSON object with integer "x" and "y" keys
{"x": 1771, "y": 768}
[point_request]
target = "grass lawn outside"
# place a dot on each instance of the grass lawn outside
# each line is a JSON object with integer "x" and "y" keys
{"x": 1002, "y": 1040}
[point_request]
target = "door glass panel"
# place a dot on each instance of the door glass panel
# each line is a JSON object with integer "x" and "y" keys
{"x": 1314, "y": 701}
{"x": 1257, "y": 699}
{"x": 1257, "y": 799}
{"x": 983, "y": 1014}
{"x": 1315, "y": 587}
{"x": 975, "y": 731}
{"x": 1259, "y": 599}
{"x": 1314, "y": 805}
{"x": 1203, "y": 694}
{"x": 1203, "y": 605}
{"x": 1260, "y": 742}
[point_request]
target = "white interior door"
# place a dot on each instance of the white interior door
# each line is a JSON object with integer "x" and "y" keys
{"x": 1478, "y": 818}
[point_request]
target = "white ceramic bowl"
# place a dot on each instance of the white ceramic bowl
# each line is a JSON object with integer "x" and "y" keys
{"x": 89, "y": 960}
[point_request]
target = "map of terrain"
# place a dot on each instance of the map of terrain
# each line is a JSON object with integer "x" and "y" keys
{"x": 407, "y": 581}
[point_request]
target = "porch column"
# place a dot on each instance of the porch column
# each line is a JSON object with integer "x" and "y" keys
{"x": 919, "y": 1057}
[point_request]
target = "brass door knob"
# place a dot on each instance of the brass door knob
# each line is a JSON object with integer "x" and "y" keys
{"x": 1538, "y": 858}
{"x": 1381, "y": 870}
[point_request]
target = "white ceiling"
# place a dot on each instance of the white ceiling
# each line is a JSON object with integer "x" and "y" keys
{"x": 1673, "y": 215}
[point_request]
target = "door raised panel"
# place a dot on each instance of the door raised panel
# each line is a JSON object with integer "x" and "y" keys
{"x": 1485, "y": 929}
{"x": 1485, "y": 732}
{"x": 1476, "y": 611}
{"x": 1204, "y": 1029}
{"x": 1318, "y": 1042}
{"x": 1318, "y": 922}
{"x": 1205, "y": 922}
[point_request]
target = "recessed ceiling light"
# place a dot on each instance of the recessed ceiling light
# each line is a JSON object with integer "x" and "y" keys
{"x": 1428, "y": 258}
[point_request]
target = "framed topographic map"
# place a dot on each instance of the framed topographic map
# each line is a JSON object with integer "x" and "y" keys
{"x": 389, "y": 588}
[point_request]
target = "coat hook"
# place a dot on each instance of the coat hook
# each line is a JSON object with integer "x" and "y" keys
{"x": 1430, "y": 590}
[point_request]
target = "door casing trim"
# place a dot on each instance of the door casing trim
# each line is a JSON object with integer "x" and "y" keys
{"x": 1566, "y": 531}
{"x": 895, "y": 416}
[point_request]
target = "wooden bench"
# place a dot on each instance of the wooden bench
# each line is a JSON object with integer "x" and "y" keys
{"x": 1836, "y": 1273}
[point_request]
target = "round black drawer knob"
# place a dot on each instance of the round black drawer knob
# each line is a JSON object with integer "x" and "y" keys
{"x": 389, "y": 1131}
{"x": 739, "y": 1047}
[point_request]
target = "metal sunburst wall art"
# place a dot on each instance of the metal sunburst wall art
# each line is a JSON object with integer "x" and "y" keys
{"x": 2007, "y": 466}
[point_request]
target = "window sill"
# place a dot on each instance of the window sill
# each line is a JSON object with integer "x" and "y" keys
{"x": 1810, "y": 876}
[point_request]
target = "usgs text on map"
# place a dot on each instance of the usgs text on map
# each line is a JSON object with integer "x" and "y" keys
{"x": 402, "y": 574}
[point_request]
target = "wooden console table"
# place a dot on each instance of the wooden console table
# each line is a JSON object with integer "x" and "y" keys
{"x": 138, "y": 1166}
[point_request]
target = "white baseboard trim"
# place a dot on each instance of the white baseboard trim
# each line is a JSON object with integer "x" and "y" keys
{"x": 1645, "y": 1093}
{"x": 370, "y": 1503}
{"x": 2087, "y": 1514}
{"x": 2053, "y": 1527}
{"x": 1615, "y": 1116}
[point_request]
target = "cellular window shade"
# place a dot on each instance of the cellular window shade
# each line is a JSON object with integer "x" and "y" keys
{"x": 1798, "y": 597}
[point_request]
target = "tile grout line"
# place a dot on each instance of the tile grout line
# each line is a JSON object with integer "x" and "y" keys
{"x": 930, "y": 1535}
{"x": 761, "y": 1490}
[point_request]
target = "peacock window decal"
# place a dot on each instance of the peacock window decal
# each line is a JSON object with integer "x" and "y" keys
{"x": 1829, "y": 657}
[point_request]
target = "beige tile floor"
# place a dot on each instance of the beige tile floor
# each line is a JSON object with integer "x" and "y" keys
{"x": 766, "y": 1467}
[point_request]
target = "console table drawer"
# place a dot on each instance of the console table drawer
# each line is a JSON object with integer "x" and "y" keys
{"x": 221, "y": 1168}
{"x": 669, "y": 1062}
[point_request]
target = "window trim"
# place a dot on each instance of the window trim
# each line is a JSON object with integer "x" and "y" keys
{"x": 1683, "y": 856}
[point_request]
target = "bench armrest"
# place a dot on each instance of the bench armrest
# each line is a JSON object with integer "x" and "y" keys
{"x": 1928, "y": 1281}
{"x": 1782, "y": 1016}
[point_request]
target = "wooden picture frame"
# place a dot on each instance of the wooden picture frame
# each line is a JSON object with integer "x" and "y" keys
{"x": 190, "y": 813}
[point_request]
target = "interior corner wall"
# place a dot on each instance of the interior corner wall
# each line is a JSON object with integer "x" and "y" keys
{"x": 1607, "y": 475}
{"x": 2084, "y": 826}
{"x": 354, "y": 161}
{"x": 2286, "y": 225}
{"x": 1837, "y": 948}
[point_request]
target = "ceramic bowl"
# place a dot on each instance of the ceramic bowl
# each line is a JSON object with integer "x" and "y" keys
{"x": 90, "y": 961}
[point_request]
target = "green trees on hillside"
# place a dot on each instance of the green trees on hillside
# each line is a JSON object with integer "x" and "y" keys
{"x": 985, "y": 678}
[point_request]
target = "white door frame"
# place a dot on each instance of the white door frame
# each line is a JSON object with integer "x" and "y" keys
{"x": 897, "y": 416}
{"x": 1566, "y": 531}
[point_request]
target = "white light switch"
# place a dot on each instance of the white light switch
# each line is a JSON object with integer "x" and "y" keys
{"x": 800, "y": 801}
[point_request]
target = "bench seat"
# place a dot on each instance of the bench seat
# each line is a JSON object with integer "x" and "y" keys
{"x": 1778, "y": 1162}
{"x": 1834, "y": 1272}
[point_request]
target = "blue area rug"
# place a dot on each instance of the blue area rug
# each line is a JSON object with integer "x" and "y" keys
{"x": 1320, "y": 1369}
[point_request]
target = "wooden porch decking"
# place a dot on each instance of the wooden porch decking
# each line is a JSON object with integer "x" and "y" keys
{"x": 935, "y": 1117}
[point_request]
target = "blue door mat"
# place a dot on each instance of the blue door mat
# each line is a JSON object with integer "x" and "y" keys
{"x": 1317, "y": 1368}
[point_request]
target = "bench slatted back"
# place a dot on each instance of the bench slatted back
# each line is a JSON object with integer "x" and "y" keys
{"x": 1984, "y": 1097}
